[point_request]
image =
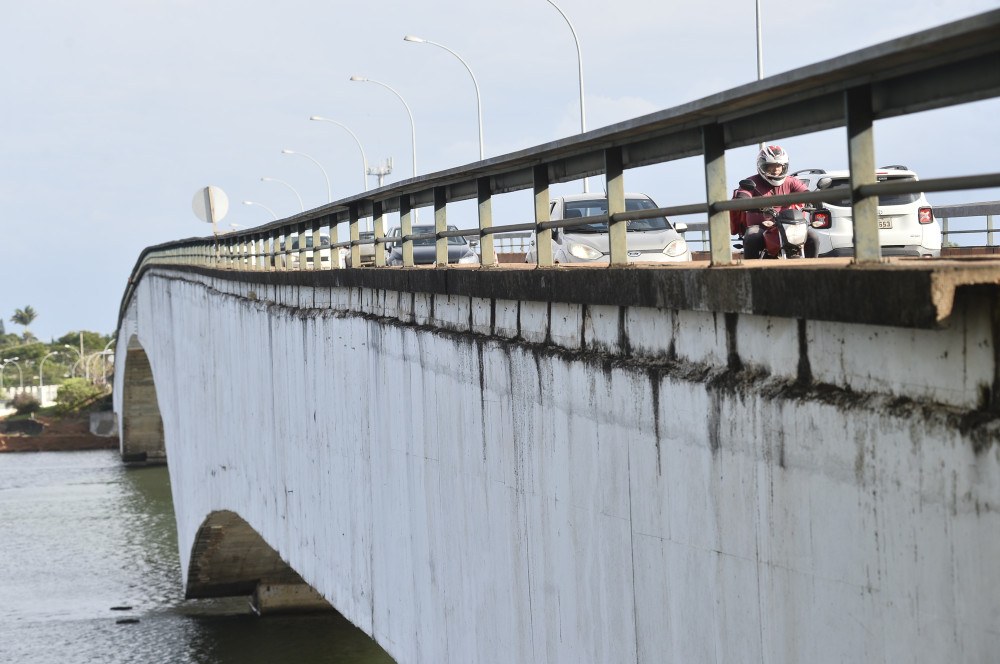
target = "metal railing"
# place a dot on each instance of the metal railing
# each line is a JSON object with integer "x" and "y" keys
{"x": 951, "y": 64}
{"x": 987, "y": 209}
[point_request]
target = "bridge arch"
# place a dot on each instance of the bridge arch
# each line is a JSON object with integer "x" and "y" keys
{"x": 230, "y": 558}
{"x": 142, "y": 438}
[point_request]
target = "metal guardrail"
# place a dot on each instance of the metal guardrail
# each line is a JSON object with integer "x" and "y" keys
{"x": 987, "y": 209}
{"x": 951, "y": 64}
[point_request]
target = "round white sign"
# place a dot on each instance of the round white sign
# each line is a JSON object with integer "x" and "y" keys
{"x": 210, "y": 204}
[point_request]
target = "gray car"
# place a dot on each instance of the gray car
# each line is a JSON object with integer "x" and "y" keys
{"x": 460, "y": 250}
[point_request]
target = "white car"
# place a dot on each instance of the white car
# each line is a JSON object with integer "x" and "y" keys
{"x": 654, "y": 240}
{"x": 906, "y": 222}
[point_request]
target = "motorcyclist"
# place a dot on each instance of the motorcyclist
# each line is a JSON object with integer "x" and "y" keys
{"x": 772, "y": 179}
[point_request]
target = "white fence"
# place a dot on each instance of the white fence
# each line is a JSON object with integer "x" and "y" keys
{"x": 47, "y": 397}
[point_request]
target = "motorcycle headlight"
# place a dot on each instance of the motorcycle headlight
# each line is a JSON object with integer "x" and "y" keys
{"x": 585, "y": 252}
{"x": 676, "y": 248}
{"x": 468, "y": 258}
{"x": 796, "y": 233}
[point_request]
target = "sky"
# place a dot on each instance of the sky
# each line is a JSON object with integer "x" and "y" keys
{"x": 115, "y": 112}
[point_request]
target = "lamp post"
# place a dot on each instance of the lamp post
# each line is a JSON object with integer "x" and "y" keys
{"x": 90, "y": 359}
{"x": 413, "y": 129}
{"x": 364, "y": 159}
{"x": 329, "y": 192}
{"x": 20, "y": 374}
{"x": 302, "y": 208}
{"x": 263, "y": 206}
{"x": 80, "y": 353}
{"x": 579, "y": 63}
{"x": 3, "y": 366}
{"x": 479, "y": 101}
{"x": 41, "y": 380}
{"x": 760, "y": 54}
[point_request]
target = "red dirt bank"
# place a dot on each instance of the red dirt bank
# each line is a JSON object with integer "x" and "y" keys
{"x": 60, "y": 435}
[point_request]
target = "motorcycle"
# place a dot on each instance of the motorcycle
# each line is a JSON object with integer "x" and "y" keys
{"x": 786, "y": 233}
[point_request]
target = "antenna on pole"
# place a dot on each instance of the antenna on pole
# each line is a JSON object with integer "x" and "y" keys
{"x": 380, "y": 171}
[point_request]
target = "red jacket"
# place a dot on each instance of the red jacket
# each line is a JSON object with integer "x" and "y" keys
{"x": 739, "y": 220}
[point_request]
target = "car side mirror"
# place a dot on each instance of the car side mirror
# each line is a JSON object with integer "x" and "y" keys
{"x": 824, "y": 183}
{"x": 680, "y": 227}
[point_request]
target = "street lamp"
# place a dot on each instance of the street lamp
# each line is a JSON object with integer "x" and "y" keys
{"x": 263, "y": 206}
{"x": 3, "y": 365}
{"x": 329, "y": 193}
{"x": 41, "y": 380}
{"x": 413, "y": 129}
{"x": 479, "y": 102}
{"x": 80, "y": 353}
{"x": 20, "y": 375}
{"x": 364, "y": 159}
{"x": 579, "y": 61}
{"x": 760, "y": 55}
{"x": 302, "y": 208}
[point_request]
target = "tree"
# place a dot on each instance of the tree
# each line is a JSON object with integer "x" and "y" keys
{"x": 76, "y": 394}
{"x": 91, "y": 340}
{"x": 24, "y": 317}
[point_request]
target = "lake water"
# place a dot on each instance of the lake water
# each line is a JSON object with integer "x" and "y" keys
{"x": 81, "y": 537}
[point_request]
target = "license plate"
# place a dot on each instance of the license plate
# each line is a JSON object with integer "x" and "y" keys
{"x": 884, "y": 223}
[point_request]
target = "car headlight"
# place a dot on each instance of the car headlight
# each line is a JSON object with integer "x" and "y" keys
{"x": 676, "y": 248}
{"x": 469, "y": 258}
{"x": 585, "y": 252}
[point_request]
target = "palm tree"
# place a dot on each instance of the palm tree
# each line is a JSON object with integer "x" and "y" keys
{"x": 24, "y": 317}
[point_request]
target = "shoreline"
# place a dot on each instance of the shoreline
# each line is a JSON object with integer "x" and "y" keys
{"x": 59, "y": 434}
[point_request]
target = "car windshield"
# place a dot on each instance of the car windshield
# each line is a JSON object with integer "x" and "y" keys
{"x": 844, "y": 200}
{"x": 599, "y": 206}
{"x": 424, "y": 229}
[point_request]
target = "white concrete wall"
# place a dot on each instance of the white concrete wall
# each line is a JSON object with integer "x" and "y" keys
{"x": 464, "y": 498}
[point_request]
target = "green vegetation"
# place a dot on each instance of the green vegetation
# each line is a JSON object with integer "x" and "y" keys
{"x": 81, "y": 353}
{"x": 76, "y": 394}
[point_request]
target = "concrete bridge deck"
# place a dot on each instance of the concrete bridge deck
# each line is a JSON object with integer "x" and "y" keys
{"x": 473, "y": 469}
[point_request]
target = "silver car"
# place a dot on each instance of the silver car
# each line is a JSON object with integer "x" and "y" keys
{"x": 647, "y": 240}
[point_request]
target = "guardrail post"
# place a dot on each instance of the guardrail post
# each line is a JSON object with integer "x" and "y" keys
{"x": 300, "y": 232}
{"x": 716, "y": 189}
{"x": 406, "y": 228}
{"x": 273, "y": 260}
{"x": 317, "y": 248}
{"x": 334, "y": 239}
{"x": 440, "y": 225}
{"x": 543, "y": 236}
{"x": 861, "y": 160}
{"x": 487, "y": 252}
{"x": 355, "y": 234}
{"x": 378, "y": 226}
{"x": 615, "y": 177}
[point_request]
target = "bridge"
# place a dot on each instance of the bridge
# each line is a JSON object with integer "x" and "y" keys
{"x": 716, "y": 462}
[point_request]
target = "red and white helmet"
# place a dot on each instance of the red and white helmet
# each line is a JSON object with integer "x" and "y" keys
{"x": 772, "y": 164}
